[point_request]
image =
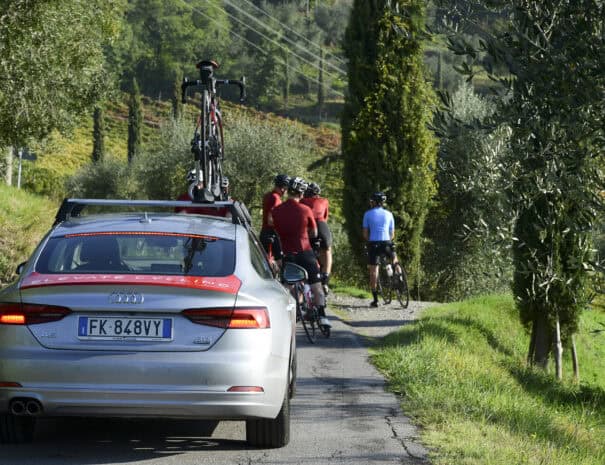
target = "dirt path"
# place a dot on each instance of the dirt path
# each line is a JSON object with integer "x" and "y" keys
{"x": 374, "y": 322}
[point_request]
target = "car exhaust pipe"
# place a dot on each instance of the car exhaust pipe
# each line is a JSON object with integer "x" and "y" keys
{"x": 17, "y": 407}
{"x": 33, "y": 407}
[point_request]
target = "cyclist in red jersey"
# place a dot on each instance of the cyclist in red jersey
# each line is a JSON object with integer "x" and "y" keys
{"x": 295, "y": 224}
{"x": 222, "y": 211}
{"x": 320, "y": 207}
{"x": 268, "y": 237}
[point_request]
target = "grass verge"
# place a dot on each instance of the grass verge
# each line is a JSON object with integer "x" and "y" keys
{"x": 462, "y": 375}
{"x": 24, "y": 218}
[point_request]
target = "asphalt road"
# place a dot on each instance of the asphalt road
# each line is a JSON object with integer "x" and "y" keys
{"x": 340, "y": 415}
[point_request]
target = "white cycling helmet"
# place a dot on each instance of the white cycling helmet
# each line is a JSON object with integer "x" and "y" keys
{"x": 298, "y": 185}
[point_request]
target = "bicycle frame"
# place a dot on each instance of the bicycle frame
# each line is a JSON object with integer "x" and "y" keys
{"x": 207, "y": 144}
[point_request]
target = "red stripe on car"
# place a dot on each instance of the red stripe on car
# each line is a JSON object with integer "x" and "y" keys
{"x": 229, "y": 284}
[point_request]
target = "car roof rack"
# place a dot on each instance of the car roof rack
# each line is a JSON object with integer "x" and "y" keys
{"x": 71, "y": 208}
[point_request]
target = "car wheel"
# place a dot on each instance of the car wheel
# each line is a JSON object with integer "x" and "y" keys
{"x": 270, "y": 433}
{"x": 16, "y": 430}
{"x": 292, "y": 390}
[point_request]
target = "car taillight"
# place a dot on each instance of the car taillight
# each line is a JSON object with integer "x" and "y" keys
{"x": 232, "y": 318}
{"x": 30, "y": 314}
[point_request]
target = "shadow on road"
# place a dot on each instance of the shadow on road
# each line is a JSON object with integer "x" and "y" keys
{"x": 88, "y": 441}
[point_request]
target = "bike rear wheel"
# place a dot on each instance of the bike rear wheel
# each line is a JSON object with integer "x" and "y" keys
{"x": 309, "y": 323}
{"x": 384, "y": 284}
{"x": 402, "y": 291}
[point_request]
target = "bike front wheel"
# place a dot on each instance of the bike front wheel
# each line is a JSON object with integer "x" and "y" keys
{"x": 309, "y": 323}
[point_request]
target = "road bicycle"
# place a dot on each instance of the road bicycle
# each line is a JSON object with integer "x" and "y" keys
{"x": 207, "y": 144}
{"x": 306, "y": 312}
{"x": 392, "y": 280}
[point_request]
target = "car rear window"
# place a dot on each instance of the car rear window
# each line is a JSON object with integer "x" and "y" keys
{"x": 138, "y": 253}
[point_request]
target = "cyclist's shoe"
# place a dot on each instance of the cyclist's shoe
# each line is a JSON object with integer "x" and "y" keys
{"x": 323, "y": 321}
{"x": 326, "y": 289}
{"x": 374, "y": 304}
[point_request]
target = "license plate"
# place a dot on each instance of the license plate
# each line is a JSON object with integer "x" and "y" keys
{"x": 132, "y": 329}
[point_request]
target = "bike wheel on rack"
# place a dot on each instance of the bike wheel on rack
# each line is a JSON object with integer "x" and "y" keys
{"x": 402, "y": 291}
{"x": 206, "y": 134}
{"x": 384, "y": 284}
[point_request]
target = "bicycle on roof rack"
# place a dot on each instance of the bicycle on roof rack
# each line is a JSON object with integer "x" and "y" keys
{"x": 207, "y": 144}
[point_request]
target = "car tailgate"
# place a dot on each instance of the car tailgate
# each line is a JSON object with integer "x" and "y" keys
{"x": 126, "y": 316}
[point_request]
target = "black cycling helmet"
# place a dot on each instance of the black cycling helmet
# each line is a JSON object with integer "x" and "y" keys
{"x": 378, "y": 197}
{"x": 281, "y": 180}
{"x": 297, "y": 185}
{"x": 314, "y": 188}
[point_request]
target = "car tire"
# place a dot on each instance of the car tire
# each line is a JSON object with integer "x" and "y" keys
{"x": 270, "y": 433}
{"x": 16, "y": 430}
{"x": 292, "y": 388}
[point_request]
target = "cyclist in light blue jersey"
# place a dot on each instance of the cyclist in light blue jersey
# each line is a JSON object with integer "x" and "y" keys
{"x": 379, "y": 231}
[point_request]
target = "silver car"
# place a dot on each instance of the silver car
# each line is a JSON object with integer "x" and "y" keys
{"x": 137, "y": 314}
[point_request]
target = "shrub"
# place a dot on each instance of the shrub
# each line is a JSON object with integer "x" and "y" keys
{"x": 461, "y": 259}
{"x": 256, "y": 150}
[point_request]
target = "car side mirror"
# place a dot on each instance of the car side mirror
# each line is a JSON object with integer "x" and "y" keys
{"x": 20, "y": 267}
{"x": 293, "y": 273}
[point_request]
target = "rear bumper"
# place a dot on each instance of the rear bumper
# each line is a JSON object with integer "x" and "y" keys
{"x": 124, "y": 403}
{"x": 148, "y": 384}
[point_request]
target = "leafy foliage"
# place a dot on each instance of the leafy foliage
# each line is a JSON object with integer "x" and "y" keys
{"x": 462, "y": 258}
{"x": 52, "y": 62}
{"x": 257, "y": 150}
{"x": 163, "y": 35}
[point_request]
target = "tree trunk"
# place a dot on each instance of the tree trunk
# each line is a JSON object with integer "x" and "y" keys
{"x": 558, "y": 350}
{"x": 9, "y": 166}
{"x": 440, "y": 70}
{"x": 532, "y": 346}
{"x": 574, "y": 359}
{"x": 542, "y": 343}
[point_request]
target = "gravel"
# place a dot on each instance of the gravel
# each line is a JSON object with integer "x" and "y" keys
{"x": 374, "y": 322}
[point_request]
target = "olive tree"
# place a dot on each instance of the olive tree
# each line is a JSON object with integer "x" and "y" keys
{"x": 552, "y": 52}
{"x": 52, "y": 63}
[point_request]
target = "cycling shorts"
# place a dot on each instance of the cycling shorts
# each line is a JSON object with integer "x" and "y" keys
{"x": 324, "y": 235}
{"x": 308, "y": 261}
{"x": 378, "y": 248}
{"x": 270, "y": 241}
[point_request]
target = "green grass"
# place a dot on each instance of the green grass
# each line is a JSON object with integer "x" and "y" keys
{"x": 350, "y": 291}
{"x": 24, "y": 218}
{"x": 462, "y": 375}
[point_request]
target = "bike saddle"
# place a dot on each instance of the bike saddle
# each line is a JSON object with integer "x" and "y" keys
{"x": 206, "y": 64}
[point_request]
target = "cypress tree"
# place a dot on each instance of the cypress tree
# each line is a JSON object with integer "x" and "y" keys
{"x": 177, "y": 103}
{"x": 386, "y": 143}
{"x": 98, "y": 135}
{"x": 286, "y": 89}
{"x": 321, "y": 91}
{"x": 135, "y": 121}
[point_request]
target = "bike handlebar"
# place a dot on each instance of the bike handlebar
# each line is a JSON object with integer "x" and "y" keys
{"x": 219, "y": 82}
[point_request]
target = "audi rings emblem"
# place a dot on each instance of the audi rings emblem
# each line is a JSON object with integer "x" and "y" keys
{"x": 126, "y": 297}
